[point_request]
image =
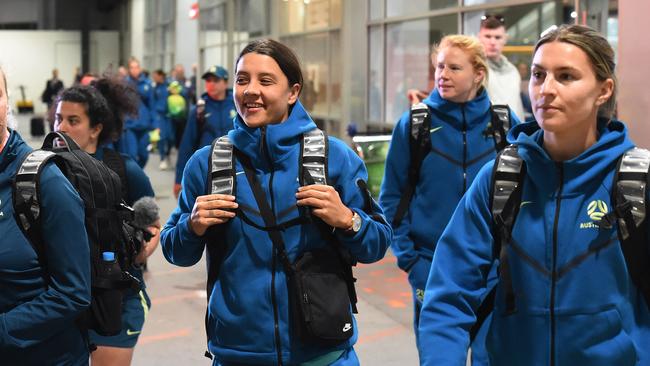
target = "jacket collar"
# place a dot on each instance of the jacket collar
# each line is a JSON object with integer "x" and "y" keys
{"x": 592, "y": 165}
{"x": 279, "y": 139}
{"x": 452, "y": 113}
{"x": 15, "y": 146}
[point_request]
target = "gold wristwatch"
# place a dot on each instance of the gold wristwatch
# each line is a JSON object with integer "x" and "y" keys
{"x": 355, "y": 225}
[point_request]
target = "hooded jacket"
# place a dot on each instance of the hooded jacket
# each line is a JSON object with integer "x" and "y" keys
{"x": 241, "y": 325}
{"x": 219, "y": 116}
{"x": 459, "y": 147}
{"x": 37, "y": 320}
{"x": 576, "y": 304}
{"x": 504, "y": 85}
{"x": 145, "y": 119}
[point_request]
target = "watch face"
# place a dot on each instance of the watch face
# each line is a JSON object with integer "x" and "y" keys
{"x": 356, "y": 222}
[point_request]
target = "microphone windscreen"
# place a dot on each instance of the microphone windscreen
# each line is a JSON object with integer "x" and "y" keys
{"x": 146, "y": 212}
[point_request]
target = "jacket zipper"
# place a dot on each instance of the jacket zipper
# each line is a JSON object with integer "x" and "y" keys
{"x": 276, "y": 322}
{"x": 462, "y": 108}
{"x": 558, "y": 201}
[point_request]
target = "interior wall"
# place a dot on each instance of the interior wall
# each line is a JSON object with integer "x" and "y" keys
{"x": 634, "y": 78}
{"x": 28, "y": 58}
{"x": 137, "y": 19}
{"x": 187, "y": 36}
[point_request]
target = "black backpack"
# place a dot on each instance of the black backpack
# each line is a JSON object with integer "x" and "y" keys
{"x": 312, "y": 170}
{"x": 628, "y": 210}
{"x": 107, "y": 222}
{"x": 420, "y": 146}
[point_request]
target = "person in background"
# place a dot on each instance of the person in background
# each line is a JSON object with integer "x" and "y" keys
{"x": 191, "y": 90}
{"x": 122, "y": 72}
{"x": 135, "y": 138}
{"x": 212, "y": 117}
{"x": 77, "y": 75}
{"x": 460, "y": 112}
{"x": 52, "y": 87}
{"x": 415, "y": 96}
{"x": 163, "y": 120}
{"x": 504, "y": 84}
{"x": 39, "y": 305}
{"x": 185, "y": 82}
{"x": 525, "y": 97}
{"x": 569, "y": 298}
{"x": 245, "y": 329}
{"x": 93, "y": 116}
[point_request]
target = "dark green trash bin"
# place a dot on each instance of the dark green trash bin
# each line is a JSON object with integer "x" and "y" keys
{"x": 373, "y": 150}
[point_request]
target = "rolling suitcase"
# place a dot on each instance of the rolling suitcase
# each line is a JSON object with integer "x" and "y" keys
{"x": 37, "y": 126}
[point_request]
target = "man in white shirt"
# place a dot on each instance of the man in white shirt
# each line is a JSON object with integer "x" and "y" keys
{"x": 504, "y": 79}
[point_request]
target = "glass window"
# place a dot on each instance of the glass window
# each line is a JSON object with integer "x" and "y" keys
{"x": 149, "y": 42}
{"x": 524, "y": 24}
{"x": 300, "y": 16}
{"x": 148, "y": 60}
{"x": 166, "y": 10}
{"x": 476, "y": 2}
{"x": 215, "y": 55}
{"x": 209, "y": 3}
{"x": 213, "y": 25}
{"x": 150, "y": 14}
{"x": 375, "y": 80}
{"x": 335, "y": 76}
{"x": 399, "y": 7}
{"x": 376, "y": 9}
{"x": 167, "y": 38}
{"x": 312, "y": 51}
{"x": 408, "y": 64}
{"x": 251, "y": 19}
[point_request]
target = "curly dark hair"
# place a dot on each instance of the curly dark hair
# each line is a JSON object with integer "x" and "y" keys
{"x": 107, "y": 101}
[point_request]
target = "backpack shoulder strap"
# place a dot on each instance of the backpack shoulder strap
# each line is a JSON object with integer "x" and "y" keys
{"x": 629, "y": 196}
{"x": 500, "y": 125}
{"x": 26, "y": 201}
{"x": 314, "y": 148}
{"x": 420, "y": 145}
{"x": 505, "y": 199}
{"x": 116, "y": 163}
{"x": 200, "y": 118}
{"x": 221, "y": 165}
{"x": 221, "y": 180}
{"x": 631, "y": 185}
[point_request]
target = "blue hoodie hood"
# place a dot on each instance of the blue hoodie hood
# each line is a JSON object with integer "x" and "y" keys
{"x": 280, "y": 138}
{"x": 452, "y": 112}
{"x": 591, "y": 165}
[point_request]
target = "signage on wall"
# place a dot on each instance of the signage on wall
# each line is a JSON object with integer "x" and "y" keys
{"x": 194, "y": 11}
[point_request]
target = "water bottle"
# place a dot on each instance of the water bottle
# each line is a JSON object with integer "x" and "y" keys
{"x": 107, "y": 302}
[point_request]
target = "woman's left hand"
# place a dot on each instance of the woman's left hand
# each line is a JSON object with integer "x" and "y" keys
{"x": 149, "y": 247}
{"x": 326, "y": 204}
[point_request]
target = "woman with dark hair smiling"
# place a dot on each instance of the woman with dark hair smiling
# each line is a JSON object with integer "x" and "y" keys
{"x": 250, "y": 316}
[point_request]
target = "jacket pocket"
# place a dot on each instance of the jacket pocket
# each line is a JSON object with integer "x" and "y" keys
{"x": 596, "y": 339}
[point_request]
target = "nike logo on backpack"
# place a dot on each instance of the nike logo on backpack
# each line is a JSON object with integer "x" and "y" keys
{"x": 130, "y": 332}
{"x": 347, "y": 327}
